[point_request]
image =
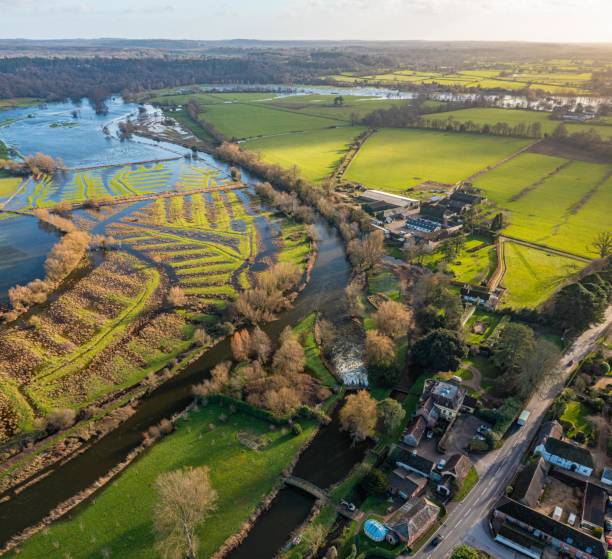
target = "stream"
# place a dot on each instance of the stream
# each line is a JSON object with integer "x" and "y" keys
{"x": 326, "y": 461}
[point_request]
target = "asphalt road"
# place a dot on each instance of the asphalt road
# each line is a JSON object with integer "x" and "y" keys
{"x": 467, "y": 522}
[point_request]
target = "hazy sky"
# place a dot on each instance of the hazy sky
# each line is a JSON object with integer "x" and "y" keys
{"x": 530, "y": 20}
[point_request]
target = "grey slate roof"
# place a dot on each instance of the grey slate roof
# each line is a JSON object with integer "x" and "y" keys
{"x": 594, "y": 505}
{"x": 529, "y": 483}
{"x": 569, "y": 451}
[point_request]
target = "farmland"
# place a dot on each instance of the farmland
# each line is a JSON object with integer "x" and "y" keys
{"x": 573, "y": 79}
{"x": 242, "y": 120}
{"x": 120, "y": 519}
{"x": 395, "y": 160}
{"x": 114, "y": 327}
{"x": 533, "y": 275}
{"x": 551, "y": 201}
{"x": 117, "y": 181}
{"x": 514, "y": 117}
{"x": 315, "y": 153}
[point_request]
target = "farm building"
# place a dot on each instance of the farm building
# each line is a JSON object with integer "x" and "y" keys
{"x": 388, "y": 206}
{"x": 593, "y": 507}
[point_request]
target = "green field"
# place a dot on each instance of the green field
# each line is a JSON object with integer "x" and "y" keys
{"x": 515, "y": 116}
{"x": 314, "y": 364}
{"x": 323, "y": 105}
{"x": 119, "y": 520}
{"x": 242, "y": 120}
{"x": 532, "y": 275}
{"x": 564, "y": 207}
{"x": 315, "y": 153}
{"x": 8, "y": 186}
{"x": 398, "y": 159}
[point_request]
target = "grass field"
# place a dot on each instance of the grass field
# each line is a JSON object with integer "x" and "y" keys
{"x": 314, "y": 364}
{"x": 398, "y": 159}
{"x": 564, "y": 80}
{"x": 8, "y": 187}
{"x": 315, "y": 153}
{"x": 577, "y": 414}
{"x": 120, "y": 519}
{"x": 242, "y": 120}
{"x": 532, "y": 275}
{"x": 515, "y": 116}
{"x": 563, "y": 207}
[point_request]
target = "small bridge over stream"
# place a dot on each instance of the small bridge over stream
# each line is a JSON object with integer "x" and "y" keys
{"x": 321, "y": 495}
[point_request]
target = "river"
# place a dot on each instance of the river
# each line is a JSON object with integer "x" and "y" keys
{"x": 328, "y": 459}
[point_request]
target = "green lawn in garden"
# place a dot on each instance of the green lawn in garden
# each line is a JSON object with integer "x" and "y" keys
{"x": 518, "y": 116}
{"x": 394, "y": 159}
{"x": 577, "y": 414}
{"x": 120, "y": 518}
{"x": 242, "y": 120}
{"x": 315, "y": 153}
{"x": 533, "y": 275}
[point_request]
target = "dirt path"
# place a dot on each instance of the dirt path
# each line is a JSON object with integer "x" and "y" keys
{"x": 476, "y": 379}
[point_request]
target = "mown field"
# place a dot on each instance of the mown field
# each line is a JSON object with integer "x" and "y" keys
{"x": 533, "y": 275}
{"x": 8, "y": 186}
{"x": 516, "y": 116}
{"x": 395, "y": 160}
{"x": 248, "y": 120}
{"x": 551, "y": 201}
{"x": 315, "y": 153}
{"x": 119, "y": 522}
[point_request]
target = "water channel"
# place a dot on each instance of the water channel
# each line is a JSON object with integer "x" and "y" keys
{"x": 326, "y": 461}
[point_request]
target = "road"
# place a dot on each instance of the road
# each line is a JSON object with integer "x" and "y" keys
{"x": 467, "y": 522}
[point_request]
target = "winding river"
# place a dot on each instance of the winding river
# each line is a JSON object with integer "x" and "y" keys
{"x": 326, "y": 461}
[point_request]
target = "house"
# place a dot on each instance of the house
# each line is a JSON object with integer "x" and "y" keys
{"x": 548, "y": 429}
{"x": 440, "y": 213}
{"x": 593, "y": 506}
{"x": 566, "y": 455}
{"x": 414, "y": 431}
{"x": 412, "y": 462}
{"x": 470, "y": 404}
{"x": 447, "y": 397}
{"x": 406, "y": 485}
{"x": 467, "y": 196}
{"x": 411, "y": 521}
{"x": 457, "y": 467}
{"x": 606, "y": 476}
{"x": 529, "y": 483}
{"x": 429, "y": 412}
{"x": 386, "y": 205}
{"x": 529, "y": 531}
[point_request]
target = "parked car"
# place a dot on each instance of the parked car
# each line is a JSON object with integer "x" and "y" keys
{"x": 349, "y": 506}
{"x": 429, "y": 434}
{"x": 483, "y": 429}
{"x": 436, "y": 541}
{"x": 441, "y": 464}
{"x": 479, "y": 438}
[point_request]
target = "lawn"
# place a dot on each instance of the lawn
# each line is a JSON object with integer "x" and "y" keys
{"x": 395, "y": 160}
{"x": 466, "y": 485}
{"x": 241, "y": 120}
{"x": 533, "y": 275}
{"x": 120, "y": 517}
{"x": 487, "y": 320}
{"x": 517, "y": 116}
{"x": 577, "y": 414}
{"x": 315, "y": 153}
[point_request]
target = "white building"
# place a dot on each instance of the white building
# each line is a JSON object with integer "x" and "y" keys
{"x": 566, "y": 455}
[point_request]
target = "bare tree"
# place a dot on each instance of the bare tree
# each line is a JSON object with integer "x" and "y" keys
{"x": 176, "y": 297}
{"x": 289, "y": 357}
{"x": 185, "y": 498}
{"x": 241, "y": 345}
{"x": 354, "y": 298}
{"x": 358, "y": 415}
{"x": 260, "y": 345}
{"x": 603, "y": 244}
{"x": 380, "y": 349}
{"x": 393, "y": 319}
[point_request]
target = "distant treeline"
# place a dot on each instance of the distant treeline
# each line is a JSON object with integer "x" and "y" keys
{"x": 60, "y": 78}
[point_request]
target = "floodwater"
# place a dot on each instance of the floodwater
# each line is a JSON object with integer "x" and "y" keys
{"x": 24, "y": 244}
{"x": 80, "y": 142}
{"x": 331, "y": 454}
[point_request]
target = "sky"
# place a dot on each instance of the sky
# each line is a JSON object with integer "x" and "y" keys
{"x": 518, "y": 20}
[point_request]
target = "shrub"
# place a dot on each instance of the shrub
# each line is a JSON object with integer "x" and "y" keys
{"x": 375, "y": 483}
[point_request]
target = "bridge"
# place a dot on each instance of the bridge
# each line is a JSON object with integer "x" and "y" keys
{"x": 321, "y": 495}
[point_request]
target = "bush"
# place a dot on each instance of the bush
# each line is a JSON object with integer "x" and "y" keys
{"x": 375, "y": 483}
{"x": 297, "y": 429}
